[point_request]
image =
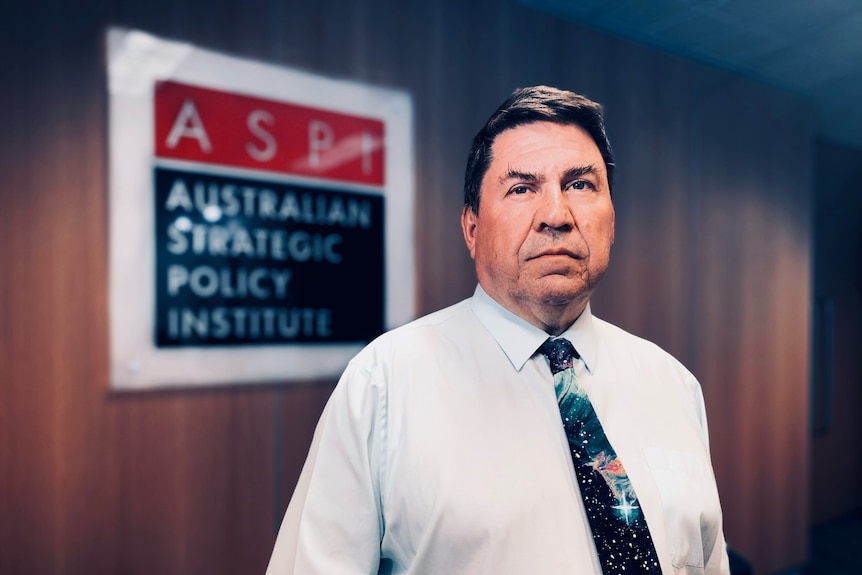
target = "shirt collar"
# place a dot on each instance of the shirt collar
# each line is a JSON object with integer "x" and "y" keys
{"x": 520, "y": 339}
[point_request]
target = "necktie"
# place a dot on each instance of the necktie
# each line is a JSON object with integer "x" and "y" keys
{"x": 619, "y": 528}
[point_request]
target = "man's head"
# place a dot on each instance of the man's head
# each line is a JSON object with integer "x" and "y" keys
{"x": 528, "y": 105}
{"x": 538, "y": 218}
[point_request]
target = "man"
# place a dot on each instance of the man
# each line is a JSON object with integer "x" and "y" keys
{"x": 514, "y": 432}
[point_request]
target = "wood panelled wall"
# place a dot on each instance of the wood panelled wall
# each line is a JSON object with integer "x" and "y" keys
{"x": 712, "y": 262}
{"x": 836, "y": 470}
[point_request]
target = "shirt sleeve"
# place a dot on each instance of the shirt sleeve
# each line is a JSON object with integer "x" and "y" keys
{"x": 333, "y": 523}
{"x": 718, "y": 562}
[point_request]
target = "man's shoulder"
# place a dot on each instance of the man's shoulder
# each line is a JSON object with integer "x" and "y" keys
{"x": 440, "y": 317}
{"x": 618, "y": 340}
{"x": 617, "y": 335}
{"x": 441, "y": 320}
{"x": 441, "y": 323}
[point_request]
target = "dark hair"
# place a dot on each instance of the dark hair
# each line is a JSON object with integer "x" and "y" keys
{"x": 526, "y": 106}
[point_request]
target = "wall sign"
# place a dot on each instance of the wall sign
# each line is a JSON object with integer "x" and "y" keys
{"x": 261, "y": 217}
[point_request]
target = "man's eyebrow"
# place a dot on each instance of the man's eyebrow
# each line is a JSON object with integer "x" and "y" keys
{"x": 522, "y": 176}
{"x": 573, "y": 173}
{"x": 570, "y": 174}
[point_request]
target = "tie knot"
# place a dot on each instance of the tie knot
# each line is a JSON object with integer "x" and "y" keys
{"x": 560, "y": 352}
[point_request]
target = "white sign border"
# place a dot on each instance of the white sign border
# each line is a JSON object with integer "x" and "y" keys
{"x": 136, "y": 61}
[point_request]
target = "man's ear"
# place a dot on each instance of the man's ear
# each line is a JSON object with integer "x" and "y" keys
{"x": 613, "y": 226}
{"x": 469, "y": 225}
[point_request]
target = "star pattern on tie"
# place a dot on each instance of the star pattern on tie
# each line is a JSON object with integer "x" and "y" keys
{"x": 622, "y": 538}
{"x": 627, "y": 510}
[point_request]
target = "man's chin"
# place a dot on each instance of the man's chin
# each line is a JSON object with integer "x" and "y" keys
{"x": 560, "y": 291}
{"x": 562, "y": 300}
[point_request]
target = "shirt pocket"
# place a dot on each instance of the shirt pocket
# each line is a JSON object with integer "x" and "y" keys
{"x": 692, "y": 513}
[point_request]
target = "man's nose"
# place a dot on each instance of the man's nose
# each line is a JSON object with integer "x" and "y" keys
{"x": 554, "y": 211}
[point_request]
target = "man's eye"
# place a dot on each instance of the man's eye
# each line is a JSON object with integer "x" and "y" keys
{"x": 581, "y": 185}
{"x": 519, "y": 190}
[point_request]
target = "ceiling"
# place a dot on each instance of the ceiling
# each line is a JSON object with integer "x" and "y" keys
{"x": 813, "y": 49}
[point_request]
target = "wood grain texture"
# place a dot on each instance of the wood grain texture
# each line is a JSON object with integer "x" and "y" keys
{"x": 752, "y": 302}
{"x": 711, "y": 261}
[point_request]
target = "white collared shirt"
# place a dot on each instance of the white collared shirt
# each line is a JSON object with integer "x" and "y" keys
{"x": 441, "y": 452}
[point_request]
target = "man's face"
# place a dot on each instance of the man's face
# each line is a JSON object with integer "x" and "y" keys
{"x": 542, "y": 238}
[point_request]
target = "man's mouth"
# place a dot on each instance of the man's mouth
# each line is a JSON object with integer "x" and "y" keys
{"x": 556, "y": 252}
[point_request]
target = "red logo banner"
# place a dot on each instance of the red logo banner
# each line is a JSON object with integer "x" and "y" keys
{"x": 222, "y": 128}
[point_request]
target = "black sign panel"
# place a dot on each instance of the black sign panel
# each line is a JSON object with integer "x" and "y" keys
{"x": 249, "y": 262}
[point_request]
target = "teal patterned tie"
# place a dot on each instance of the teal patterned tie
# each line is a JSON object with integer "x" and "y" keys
{"x": 620, "y": 532}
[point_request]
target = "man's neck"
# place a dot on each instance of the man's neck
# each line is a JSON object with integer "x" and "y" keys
{"x": 552, "y": 318}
